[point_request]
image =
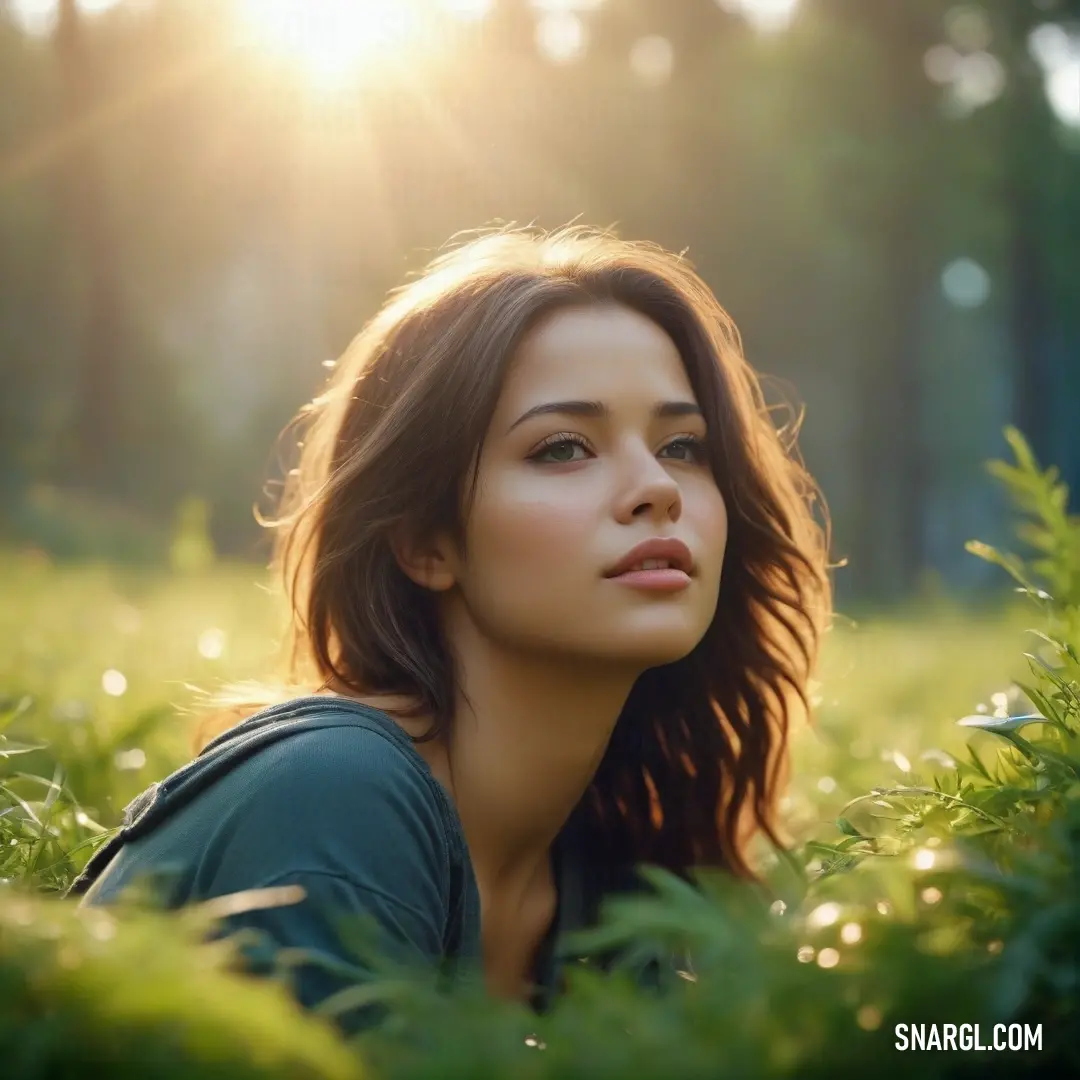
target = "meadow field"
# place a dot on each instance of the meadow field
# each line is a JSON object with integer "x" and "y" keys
{"x": 107, "y": 664}
{"x": 932, "y": 878}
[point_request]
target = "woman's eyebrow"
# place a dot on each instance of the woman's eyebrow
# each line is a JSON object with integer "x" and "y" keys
{"x": 597, "y": 409}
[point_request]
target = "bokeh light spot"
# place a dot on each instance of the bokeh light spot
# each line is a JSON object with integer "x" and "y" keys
{"x": 113, "y": 682}
{"x": 965, "y": 283}
{"x": 130, "y": 760}
{"x": 652, "y": 59}
{"x": 212, "y": 643}
{"x": 850, "y": 933}
{"x": 824, "y": 915}
{"x": 561, "y": 37}
{"x": 828, "y": 958}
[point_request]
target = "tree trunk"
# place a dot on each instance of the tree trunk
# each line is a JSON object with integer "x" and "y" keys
{"x": 891, "y": 480}
{"x": 97, "y": 413}
{"x": 1028, "y": 317}
{"x": 1029, "y": 309}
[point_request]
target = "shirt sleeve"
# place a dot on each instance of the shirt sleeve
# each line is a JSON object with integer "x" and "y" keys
{"x": 344, "y": 814}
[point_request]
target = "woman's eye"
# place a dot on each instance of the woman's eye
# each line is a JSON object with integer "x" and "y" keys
{"x": 564, "y": 449}
{"x": 560, "y": 450}
{"x": 692, "y": 447}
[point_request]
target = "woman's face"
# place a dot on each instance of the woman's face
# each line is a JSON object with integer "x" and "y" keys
{"x": 563, "y": 496}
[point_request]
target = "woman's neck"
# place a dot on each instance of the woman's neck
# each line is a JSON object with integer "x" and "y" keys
{"x": 526, "y": 740}
{"x": 521, "y": 754}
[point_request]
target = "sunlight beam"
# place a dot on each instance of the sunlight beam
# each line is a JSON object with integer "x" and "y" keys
{"x": 329, "y": 41}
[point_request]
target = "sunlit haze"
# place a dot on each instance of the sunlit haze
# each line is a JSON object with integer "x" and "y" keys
{"x": 38, "y": 17}
{"x": 768, "y": 16}
{"x": 332, "y": 40}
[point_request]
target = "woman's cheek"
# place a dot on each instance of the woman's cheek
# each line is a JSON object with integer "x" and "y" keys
{"x": 546, "y": 536}
{"x": 712, "y": 531}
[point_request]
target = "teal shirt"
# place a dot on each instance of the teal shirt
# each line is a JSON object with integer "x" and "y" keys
{"x": 330, "y": 795}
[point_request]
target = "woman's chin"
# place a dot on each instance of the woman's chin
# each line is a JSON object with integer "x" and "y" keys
{"x": 653, "y": 648}
{"x": 627, "y": 643}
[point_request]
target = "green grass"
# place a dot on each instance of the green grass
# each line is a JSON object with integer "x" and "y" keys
{"x": 957, "y": 869}
{"x": 105, "y": 660}
{"x": 889, "y": 686}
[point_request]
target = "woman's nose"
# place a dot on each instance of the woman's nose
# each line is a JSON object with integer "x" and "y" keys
{"x": 650, "y": 491}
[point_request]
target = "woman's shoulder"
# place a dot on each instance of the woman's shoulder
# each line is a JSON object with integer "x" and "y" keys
{"x": 344, "y": 796}
{"x": 308, "y": 785}
{"x": 336, "y": 751}
{"x": 303, "y": 777}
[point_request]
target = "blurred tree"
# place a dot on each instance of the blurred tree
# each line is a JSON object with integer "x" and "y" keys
{"x": 897, "y": 162}
{"x": 225, "y": 231}
{"x": 33, "y": 348}
{"x": 1037, "y": 219}
{"x": 97, "y": 420}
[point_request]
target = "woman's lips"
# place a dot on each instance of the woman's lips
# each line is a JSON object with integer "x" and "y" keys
{"x": 659, "y": 548}
{"x": 669, "y": 580}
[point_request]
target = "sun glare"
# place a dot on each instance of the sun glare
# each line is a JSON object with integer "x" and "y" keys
{"x": 330, "y": 41}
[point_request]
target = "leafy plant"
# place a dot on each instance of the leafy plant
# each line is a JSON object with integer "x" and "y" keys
{"x": 87, "y": 993}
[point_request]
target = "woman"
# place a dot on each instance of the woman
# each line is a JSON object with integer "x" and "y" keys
{"x": 557, "y": 591}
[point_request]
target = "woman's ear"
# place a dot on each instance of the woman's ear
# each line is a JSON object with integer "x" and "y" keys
{"x": 432, "y": 564}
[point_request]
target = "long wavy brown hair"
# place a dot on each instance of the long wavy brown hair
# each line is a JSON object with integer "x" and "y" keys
{"x": 699, "y": 754}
